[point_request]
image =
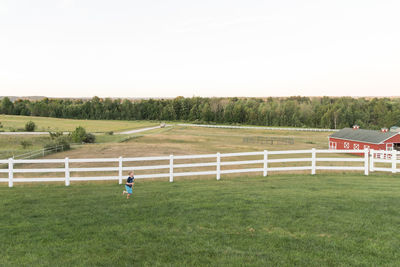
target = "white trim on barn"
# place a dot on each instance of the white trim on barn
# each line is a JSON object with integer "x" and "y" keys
{"x": 389, "y": 146}
{"x": 363, "y": 141}
{"x": 346, "y": 139}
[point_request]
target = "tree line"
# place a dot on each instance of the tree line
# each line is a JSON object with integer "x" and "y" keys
{"x": 315, "y": 112}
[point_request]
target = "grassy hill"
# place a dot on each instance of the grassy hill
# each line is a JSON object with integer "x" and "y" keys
{"x": 11, "y": 122}
{"x": 282, "y": 220}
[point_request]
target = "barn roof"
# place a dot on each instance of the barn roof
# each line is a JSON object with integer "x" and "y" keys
{"x": 361, "y": 135}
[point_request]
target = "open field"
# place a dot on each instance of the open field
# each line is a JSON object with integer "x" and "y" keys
{"x": 54, "y": 124}
{"x": 184, "y": 140}
{"x": 11, "y": 144}
{"x": 323, "y": 220}
{"x": 181, "y": 140}
{"x": 174, "y": 140}
{"x": 178, "y": 139}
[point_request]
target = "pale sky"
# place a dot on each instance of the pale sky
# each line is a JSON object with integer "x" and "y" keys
{"x": 168, "y": 48}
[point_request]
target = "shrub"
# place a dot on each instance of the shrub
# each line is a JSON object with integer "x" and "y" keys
{"x": 110, "y": 133}
{"x": 55, "y": 135}
{"x": 89, "y": 138}
{"x": 63, "y": 141}
{"x": 80, "y": 135}
{"x": 30, "y": 126}
{"x": 59, "y": 139}
{"x": 1, "y": 125}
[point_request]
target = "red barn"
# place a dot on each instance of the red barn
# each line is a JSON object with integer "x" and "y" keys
{"x": 356, "y": 138}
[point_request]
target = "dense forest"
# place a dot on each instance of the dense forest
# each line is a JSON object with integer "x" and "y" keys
{"x": 319, "y": 112}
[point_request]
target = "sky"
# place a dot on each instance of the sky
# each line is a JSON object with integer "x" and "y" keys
{"x": 169, "y": 48}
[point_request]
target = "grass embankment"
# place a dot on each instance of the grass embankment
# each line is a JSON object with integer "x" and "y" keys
{"x": 11, "y": 145}
{"x": 11, "y": 122}
{"x": 280, "y": 220}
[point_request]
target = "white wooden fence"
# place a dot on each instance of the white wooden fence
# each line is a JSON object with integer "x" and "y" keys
{"x": 216, "y": 161}
{"x": 259, "y": 127}
{"x": 388, "y": 159}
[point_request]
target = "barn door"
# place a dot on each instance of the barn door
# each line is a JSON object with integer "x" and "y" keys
{"x": 332, "y": 145}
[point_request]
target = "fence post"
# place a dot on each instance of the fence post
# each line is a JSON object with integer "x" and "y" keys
{"x": 171, "y": 168}
{"x": 265, "y": 173}
{"x": 394, "y": 158}
{"x": 66, "y": 171}
{"x": 218, "y": 166}
{"x": 10, "y": 172}
{"x": 43, "y": 152}
{"x": 366, "y": 161}
{"x": 371, "y": 162}
{"x": 313, "y": 161}
{"x": 120, "y": 170}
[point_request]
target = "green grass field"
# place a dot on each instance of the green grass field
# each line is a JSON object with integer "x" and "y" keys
{"x": 179, "y": 140}
{"x": 10, "y": 122}
{"x": 11, "y": 144}
{"x": 280, "y": 220}
{"x": 170, "y": 140}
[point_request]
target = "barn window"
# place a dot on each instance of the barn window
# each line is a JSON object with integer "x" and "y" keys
{"x": 356, "y": 146}
{"x": 346, "y": 145}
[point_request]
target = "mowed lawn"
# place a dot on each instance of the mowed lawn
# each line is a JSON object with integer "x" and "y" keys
{"x": 279, "y": 220}
{"x": 11, "y": 122}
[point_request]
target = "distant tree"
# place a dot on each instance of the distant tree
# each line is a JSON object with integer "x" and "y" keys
{"x": 6, "y": 106}
{"x": 291, "y": 111}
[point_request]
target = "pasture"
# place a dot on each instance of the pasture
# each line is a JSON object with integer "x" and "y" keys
{"x": 12, "y": 144}
{"x": 11, "y": 122}
{"x": 184, "y": 140}
{"x": 302, "y": 220}
{"x": 164, "y": 141}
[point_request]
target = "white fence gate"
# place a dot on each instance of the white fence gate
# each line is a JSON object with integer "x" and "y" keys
{"x": 221, "y": 163}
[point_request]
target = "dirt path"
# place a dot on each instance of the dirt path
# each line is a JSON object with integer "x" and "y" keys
{"x": 141, "y": 130}
{"x": 42, "y": 133}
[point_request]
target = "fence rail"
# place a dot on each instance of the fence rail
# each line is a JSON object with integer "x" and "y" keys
{"x": 259, "y": 127}
{"x": 268, "y": 140}
{"x": 367, "y": 163}
{"x": 36, "y": 153}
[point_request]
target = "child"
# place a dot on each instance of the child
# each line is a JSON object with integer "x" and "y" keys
{"x": 130, "y": 182}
